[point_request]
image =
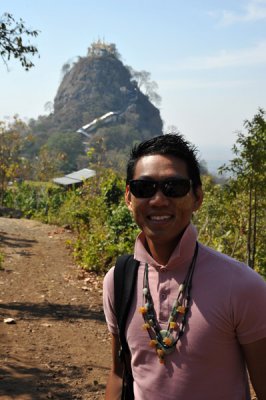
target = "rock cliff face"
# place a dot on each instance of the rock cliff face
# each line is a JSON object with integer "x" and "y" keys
{"x": 99, "y": 84}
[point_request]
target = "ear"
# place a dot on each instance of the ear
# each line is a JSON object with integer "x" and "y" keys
{"x": 128, "y": 199}
{"x": 198, "y": 198}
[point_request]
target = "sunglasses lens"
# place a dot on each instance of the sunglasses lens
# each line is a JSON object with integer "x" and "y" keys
{"x": 170, "y": 187}
{"x": 176, "y": 187}
{"x": 143, "y": 189}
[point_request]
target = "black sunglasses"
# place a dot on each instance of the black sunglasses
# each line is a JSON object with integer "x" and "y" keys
{"x": 172, "y": 187}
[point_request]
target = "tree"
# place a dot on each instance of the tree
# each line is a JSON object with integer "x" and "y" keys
{"x": 143, "y": 80}
{"x": 49, "y": 107}
{"x": 65, "y": 147}
{"x": 10, "y": 160}
{"x": 46, "y": 165}
{"x": 248, "y": 169}
{"x": 13, "y": 35}
{"x": 221, "y": 219}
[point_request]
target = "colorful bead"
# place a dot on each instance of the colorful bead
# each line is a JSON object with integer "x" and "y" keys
{"x": 153, "y": 343}
{"x": 145, "y": 291}
{"x": 181, "y": 309}
{"x": 167, "y": 341}
{"x": 173, "y": 325}
{"x": 160, "y": 353}
{"x": 145, "y": 326}
{"x": 181, "y": 288}
{"x": 162, "y": 339}
{"x": 143, "y": 310}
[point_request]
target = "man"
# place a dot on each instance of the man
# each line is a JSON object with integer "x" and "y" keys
{"x": 203, "y": 313}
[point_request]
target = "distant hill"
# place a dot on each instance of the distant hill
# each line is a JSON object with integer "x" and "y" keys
{"x": 94, "y": 86}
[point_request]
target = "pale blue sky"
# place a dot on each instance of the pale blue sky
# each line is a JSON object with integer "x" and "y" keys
{"x": 208, "y": 58}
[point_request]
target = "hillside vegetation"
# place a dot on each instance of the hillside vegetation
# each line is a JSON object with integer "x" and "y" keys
{"x": 230, "y": 220}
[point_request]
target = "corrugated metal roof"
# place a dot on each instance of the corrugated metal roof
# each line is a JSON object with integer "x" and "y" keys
{"x": 82, "y": 174}
{"x": 75, "y": 177}
{"x": 65, "y": 181}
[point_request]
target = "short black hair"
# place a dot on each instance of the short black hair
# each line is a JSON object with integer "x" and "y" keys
{"x": 168, "y": 144}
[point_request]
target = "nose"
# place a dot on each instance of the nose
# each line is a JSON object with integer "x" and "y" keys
{"x": 159, "y": 199}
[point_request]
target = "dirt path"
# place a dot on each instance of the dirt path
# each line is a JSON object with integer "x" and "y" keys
{"x": 59, "y": 346}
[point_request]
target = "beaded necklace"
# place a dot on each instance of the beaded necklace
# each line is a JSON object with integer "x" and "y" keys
{"x": 164, "y": 340}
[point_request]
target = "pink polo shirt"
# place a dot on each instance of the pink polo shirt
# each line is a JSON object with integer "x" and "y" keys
{"x": 228, "y": 308}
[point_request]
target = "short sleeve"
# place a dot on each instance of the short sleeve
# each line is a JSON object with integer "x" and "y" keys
{"x": 249, "y": 304}
{"x": 108, "y": 301}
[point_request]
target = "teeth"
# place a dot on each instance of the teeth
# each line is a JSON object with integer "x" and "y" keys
{"x": 159, "y": 217}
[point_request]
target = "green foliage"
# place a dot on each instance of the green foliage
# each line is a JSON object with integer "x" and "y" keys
{"x": 95, "y": 211}
{"x": 249, "y": 182}
{"x": 39, "y": 200}
{"x": 9, "y": 155}
{"x": 12, "y": 165}
{"x": 67, "y": 147}
{"x": 73, "y": 211}
{"x": 109, "y": 229}
{"x": 223, "y": 222}
{"x": 31, "y": 148}
{"x": 46, "y": 165}
{"x": 2, "y": 259}
{"x": 54, "y": 155}
{"x": 123, "y": 228}
{"x": 103, "y": 227}
{"x": 230, "y": 220}
{"x": 220, "y": 220}
{"x": 12, "y": 41}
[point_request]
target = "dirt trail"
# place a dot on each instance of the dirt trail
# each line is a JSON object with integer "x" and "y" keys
{"x": 59, "y": 346}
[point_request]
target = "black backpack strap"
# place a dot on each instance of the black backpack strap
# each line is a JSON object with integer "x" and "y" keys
{"x": 125, "y": 275}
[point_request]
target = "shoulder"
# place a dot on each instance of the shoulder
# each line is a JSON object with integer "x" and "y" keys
{"x": 210, "y": 255}
{"x": 224, "y": 262}
{"x": 240, "y": 288}
{"x": 235, "y": 274}
{"x": 108, "y": 301}
{"x": 108, "y": 281}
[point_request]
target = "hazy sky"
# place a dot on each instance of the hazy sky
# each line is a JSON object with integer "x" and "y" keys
{"x": 208, "y": 58}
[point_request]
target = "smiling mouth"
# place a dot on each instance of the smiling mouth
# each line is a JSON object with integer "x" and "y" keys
{"x": 159, "y": 218}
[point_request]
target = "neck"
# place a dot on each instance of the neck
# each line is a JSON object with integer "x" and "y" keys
{"x": 161, "y": 252}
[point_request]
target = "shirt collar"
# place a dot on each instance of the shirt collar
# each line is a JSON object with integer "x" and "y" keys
{"x": 182, "y": 253}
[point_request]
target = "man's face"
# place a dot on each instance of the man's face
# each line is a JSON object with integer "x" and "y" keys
{"x": 161, "y": 218}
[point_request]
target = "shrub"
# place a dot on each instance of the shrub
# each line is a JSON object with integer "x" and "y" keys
{"x": 39, "y": 200}
{"x": 109, "y": 229}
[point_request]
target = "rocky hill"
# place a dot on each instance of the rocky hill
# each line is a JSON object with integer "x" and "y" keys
{"x": 96, "y": 85}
